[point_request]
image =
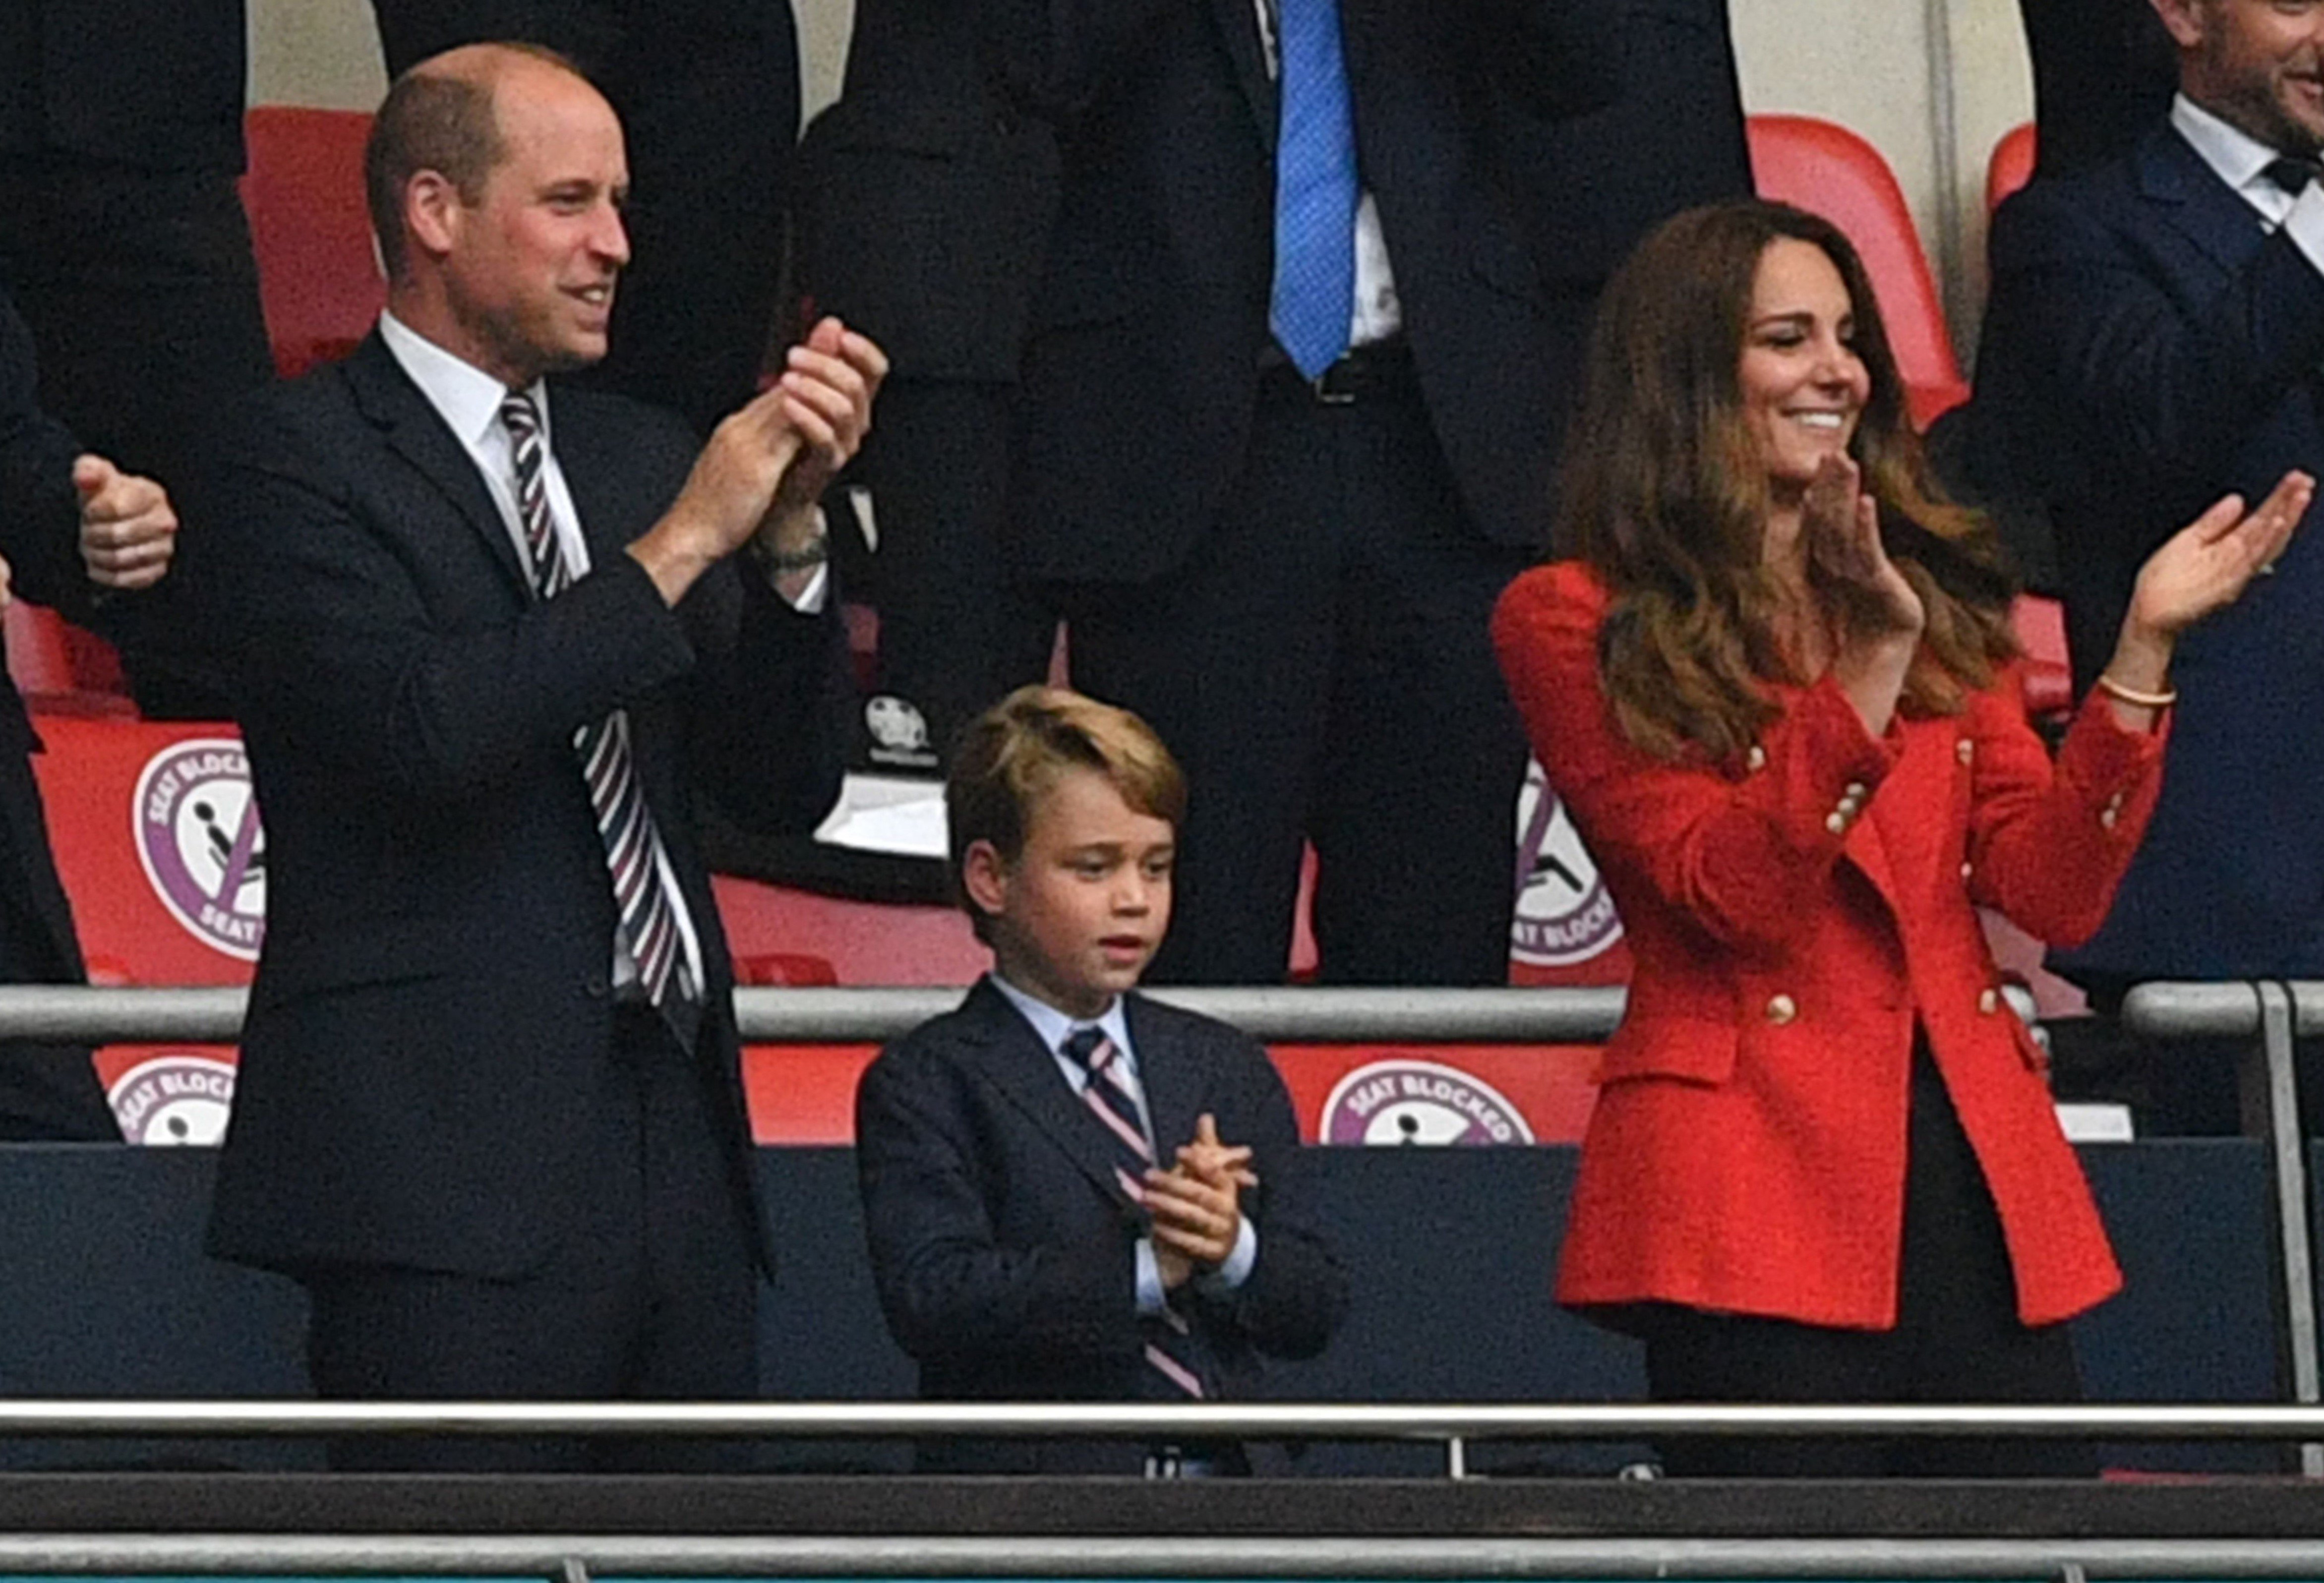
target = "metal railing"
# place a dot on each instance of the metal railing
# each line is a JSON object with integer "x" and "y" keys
{"x": 76, "y": 1013}
{"x": 2272, "y": 1015}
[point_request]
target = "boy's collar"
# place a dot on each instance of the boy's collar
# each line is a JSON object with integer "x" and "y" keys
{"x": 1053, "y": 1026}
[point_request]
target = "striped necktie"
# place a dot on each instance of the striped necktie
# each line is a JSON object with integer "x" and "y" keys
{"x": 634, "y": 849}
{"x": 1173, "y": 1353}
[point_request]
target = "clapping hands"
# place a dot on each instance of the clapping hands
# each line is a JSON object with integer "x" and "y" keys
{"x": 1195, "y": 1204}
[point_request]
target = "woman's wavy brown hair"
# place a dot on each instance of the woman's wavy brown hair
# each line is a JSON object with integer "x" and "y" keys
{"x": 1664, "y": 493}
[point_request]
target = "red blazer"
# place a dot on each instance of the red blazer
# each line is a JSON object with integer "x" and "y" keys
{"x": 1790, "y": 916}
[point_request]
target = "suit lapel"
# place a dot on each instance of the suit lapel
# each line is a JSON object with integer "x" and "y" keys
{"x": 2202, "y": 207}
{"x": 594, "y": 471}
{"x": 1012, "y": 1057}
{"x": 415, "y": 431}
{"x": 1238, "y": 26}
{"x": 1170, "y": 1071}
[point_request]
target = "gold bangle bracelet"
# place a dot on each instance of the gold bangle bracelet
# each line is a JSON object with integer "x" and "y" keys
{"x": 2115, "y": 689}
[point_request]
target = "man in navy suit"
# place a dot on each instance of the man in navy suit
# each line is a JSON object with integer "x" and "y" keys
{"x": 485, "y": 630}
{"x": 2153, "y": 342}
{"x": 1285, "y": 418}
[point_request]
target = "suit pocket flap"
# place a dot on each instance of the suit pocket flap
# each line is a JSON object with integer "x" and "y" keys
{"x": 1692, "y": 1050}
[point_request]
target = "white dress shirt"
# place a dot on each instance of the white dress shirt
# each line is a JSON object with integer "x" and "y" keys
{"x": 1052, "y": 1028}
{"x": 468, "y": 399}
{"x": 2241, "y": 160}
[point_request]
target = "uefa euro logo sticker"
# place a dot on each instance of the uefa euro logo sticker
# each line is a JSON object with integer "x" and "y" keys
{"x": 174, "y": 1099}
{"x": 1564, "y": 914}
{"x": 1400, "y": 1102}
{"x": 197, "y": 832}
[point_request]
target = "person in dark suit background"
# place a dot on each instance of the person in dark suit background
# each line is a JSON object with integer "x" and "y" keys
{"x": 1275, "y": 507}
{"x": 2103, "y": 71}
{"x": 123, "y": 241}
{"x": 484, "y": 627}
{"x": 708, "y": 93}
{"x": 2151, "y": 342}
{"x": 1589, "y": 187}
{"x": 1027, "y": 1239}
{"x": 77, "y": 535}
{"x": 924, "y": 203}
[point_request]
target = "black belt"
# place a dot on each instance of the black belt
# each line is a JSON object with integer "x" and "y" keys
{"x": 1376, "y": 369}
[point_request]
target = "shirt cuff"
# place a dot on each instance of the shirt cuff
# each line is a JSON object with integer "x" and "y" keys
{"x": 1230, "y": 1275}
{"x": 810, "y": 598}
{"x": 1152, "y": 1300}
{"x": 2305, "y": 225}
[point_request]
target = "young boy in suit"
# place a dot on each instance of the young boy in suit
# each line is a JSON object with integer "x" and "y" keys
{"x": 1074, "y": 1192}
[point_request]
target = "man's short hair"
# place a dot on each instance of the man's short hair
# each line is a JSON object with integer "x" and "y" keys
{"x": 1016, "y": 751}
{"x": 434, "y": 120}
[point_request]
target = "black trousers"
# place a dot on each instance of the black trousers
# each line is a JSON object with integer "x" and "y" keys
{"x": 956, "y": 634}
{"x": 48, "y": 1093}
{"x": 654, "y": 1297}
{"x": 1957, "y": 1339}
{"x": 143, "y": 298}
{"x": 1321, "y": 667}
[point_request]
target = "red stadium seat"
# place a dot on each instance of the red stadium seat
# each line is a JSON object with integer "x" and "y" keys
{"x": 2041, "y": 627}
{"x": 61, "y": 669}
{"x": 318, "y": 277}
{"x": 1830, "y": 170}
{"x": 2012, "y": 166}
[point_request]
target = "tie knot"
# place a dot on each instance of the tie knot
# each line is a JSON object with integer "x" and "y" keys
{"x": 1088, "y": 1048}
{"x": 2293, "y": 173}
{"x": 520, "y": 415}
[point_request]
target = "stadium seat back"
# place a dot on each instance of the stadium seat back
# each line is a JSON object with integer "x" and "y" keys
{"x": 2011, "y": 166}
{"x": 1830, "y": 171}
{"x": 319, "y": 277}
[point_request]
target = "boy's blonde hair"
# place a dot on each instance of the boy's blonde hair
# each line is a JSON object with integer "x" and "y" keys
{"x": 1012, "y": 754}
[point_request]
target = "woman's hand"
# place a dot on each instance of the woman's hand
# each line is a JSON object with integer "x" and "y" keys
{"x": 2202, "y": 567}
{"x": 1874, "y": 615}
{"x": 1863, "y": 594}
{"x": 2208, "y": 564}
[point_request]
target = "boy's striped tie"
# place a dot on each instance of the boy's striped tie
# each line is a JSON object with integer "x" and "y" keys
{"x": 1172, "y": 1353}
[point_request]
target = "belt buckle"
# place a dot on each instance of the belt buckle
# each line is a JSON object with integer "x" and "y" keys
{"x": 1330, "y": 392}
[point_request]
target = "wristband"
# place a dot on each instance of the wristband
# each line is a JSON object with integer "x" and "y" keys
{"x": 2115, "y": 689}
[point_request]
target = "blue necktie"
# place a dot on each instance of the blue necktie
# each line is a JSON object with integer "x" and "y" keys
{"x": 1315, "y": 192}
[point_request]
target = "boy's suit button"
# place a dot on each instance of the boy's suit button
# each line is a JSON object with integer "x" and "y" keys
{"x": 597, "y": 985}
{"x": 1989, "y": 1001}
{"x": 1964, "y": 750}
{"x": 1782, "y": 1009}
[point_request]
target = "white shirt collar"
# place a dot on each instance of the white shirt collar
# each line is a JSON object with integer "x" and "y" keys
{"x": 2239, "y": 159}
{"x": 1054, "y": 1027}
{"x": 466, "y": 396}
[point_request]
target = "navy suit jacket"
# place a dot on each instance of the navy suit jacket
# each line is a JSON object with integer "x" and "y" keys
{"x": 925, "y": 197}
{"x": 430, "y": 1029}
{"x": 1003, "y": 1249}
{"x": 1141, "y": 372}
{"x": 2149, "y": 348}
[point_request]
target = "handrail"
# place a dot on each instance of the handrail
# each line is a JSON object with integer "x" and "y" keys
{"x": 1155, "y": 1421}
{"x": 80, "y": 1013}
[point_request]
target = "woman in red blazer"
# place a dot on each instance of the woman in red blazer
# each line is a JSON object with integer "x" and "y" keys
{"x": 1774, "y": 688}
